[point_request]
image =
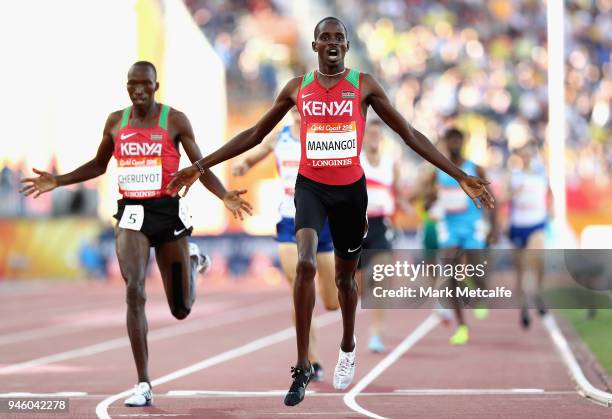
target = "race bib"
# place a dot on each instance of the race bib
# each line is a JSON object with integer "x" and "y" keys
{"x": 184, "y": 213}
{"x": 132, "y": 218}
{"x": 139, "y": 173}
{"x": 453, "y": 199}
{"x": 332, "y": 141}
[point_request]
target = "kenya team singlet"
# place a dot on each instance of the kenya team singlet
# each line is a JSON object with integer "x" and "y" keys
{"x": 146, "y": 157}
{"x": 331, "y": 129}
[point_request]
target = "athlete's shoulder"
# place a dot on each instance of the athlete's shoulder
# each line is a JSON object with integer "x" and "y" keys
{"x": 367, "y": 78}
{"x": 369, "y": 84}
{"x": 116, "y": 115}
{"x": 175, "y": 113}
{"x": 176, "y": 117}
{"x": 113, "y": 119}
{"x": 294, "y": 82}
{"x": 290, "y": 89}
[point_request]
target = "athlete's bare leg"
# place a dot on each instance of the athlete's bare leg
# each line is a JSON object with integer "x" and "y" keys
{"x": 347, "y": 295}
{"x": 477, "y": 257}
{"x": 326, "y": 280}
{"x": 452, "y": 254}
{"x": 133, "y": 254}
{"x": 288, "y": 258}
{"x": 519, "y": 264}
{"x": 304, "y": 291}
{"x": 176, "y": 271}
{"x": 378, "y": 321}
{"x": 537, "y": 241}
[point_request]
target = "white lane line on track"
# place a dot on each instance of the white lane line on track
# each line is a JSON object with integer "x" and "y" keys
{"x": 50, "y": 313}
{"x": 227, "y": 317}
{"x": 469, "y": 391}
{"x": 406, "y": 392}
{"x": 153, "y": 415}
{"x": 43, "y": 332}
{"x": 344, "y": 413}
{"x": 586, "y": 388}
{"x": 255, "y": 345}
{"x": 52, "y": 330}
{"x": 417, "y": 334}
{"x": 229, "y": 393}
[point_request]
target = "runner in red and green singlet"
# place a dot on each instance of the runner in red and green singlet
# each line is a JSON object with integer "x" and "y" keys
{"x": 333, "y": 102}
{"x": 145, "y": 139}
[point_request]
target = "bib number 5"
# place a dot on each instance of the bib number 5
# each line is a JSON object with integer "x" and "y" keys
{"x": 132, "y": 218}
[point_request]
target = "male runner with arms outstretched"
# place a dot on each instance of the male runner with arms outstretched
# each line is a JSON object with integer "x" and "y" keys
{"x": 333, "y": 101}
{"x": 287, "y": 150}
{"x": 145, "y": 138}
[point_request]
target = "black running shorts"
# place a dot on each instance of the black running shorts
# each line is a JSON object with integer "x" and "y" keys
{"x": 160, "y": 218}
{"x": 379, "y": 234}
{"x": 378, "y": 240}
{"x": 344, "y": 205}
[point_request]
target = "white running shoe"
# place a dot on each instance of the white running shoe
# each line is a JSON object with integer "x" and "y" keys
{"x": 203, "y": 261}
{"x": 445, "y": 314}
{"x": 345, "y": 368}
{"x": 143, "y": 396}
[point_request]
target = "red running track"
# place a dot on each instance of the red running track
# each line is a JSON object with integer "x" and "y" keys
{"x": 238, "y": 345}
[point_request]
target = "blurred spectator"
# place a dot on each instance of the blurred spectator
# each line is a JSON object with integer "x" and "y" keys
{"x": 253, "y": 39}
{"x": 486, "y": 61}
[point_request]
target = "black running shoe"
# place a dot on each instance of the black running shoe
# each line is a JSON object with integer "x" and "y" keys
{"x": 297, "y": 391}
{"x": 542, "y": 310}
{"x": 318, "y": 372}
{"x": 525, "y": 321}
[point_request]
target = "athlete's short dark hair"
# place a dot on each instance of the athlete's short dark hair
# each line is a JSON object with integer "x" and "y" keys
{"x": 146, "y": 64}
{"x": 453, "y": 132}
{"x": 325, "y": 19}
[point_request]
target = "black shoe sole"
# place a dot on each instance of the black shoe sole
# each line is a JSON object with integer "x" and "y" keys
{"x": 289, "y": 402}
{"x": 525, "y": 320}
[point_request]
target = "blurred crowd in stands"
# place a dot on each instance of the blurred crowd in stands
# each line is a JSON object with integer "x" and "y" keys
{"x": 255, "y": 41}
{"x": 79, "y": 200}
{"x": 481, "y": 64}
{"x": 486, "y": 61}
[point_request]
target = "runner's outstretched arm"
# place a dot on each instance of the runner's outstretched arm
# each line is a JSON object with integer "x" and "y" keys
{"x": 240, "y": 168}
{"x": 376, "y": 97}
{"x": 46, "y": 181}
{"x": 240, "y": 143}
{"x": 493, "y": 234}
{"x": 232, "y": 199}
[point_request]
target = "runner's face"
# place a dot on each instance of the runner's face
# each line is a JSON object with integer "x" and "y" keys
{"x": 454, "y": 144}
{"x": 331, "y": 43}
{"x": 141, "y": 86}
{"x": 526, "y": 153}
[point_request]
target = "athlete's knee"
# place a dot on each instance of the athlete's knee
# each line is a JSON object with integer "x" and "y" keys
{"x": 306, "y": 269}
{"x": 331, "y": 304}
{"x": 135, "y": 295}
{"x": 345, "y": 281}
{"x": 180, "y": 312}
